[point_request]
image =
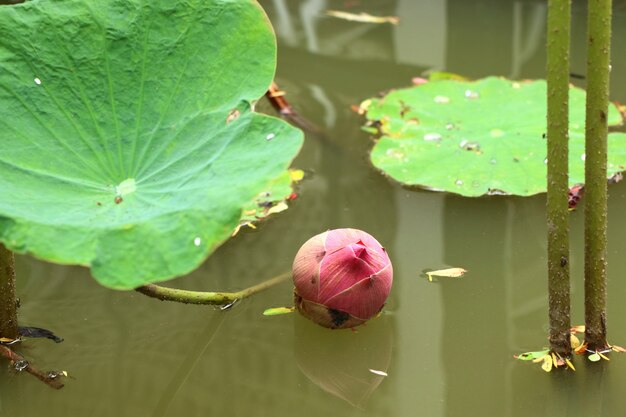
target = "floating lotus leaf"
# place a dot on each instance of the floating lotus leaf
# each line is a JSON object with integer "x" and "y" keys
{"x": 476, "y": 138}
{"x": 127, "y": 136}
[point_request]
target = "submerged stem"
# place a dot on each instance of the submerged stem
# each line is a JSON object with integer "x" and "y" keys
{"x": 276, "y": 98}
{"x": 52, "y": 379}
{"x": 208, "y": 297}
{"x": 557, "y": 198}
{"x": 8, "y": 300}
{"x": 598, "y": 61}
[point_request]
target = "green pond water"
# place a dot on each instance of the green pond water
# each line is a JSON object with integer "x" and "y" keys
{"x": 447, "y": 347}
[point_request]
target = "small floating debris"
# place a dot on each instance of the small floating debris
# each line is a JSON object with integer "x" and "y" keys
{"x": 446, "y": 273}
{"x": 363, "y": 17}
{"x": 276, "y": 311}
{"x": 38, "y": 332}
{"x": 377, "y": 372}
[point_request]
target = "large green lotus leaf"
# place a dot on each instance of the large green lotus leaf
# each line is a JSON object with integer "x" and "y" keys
{"x": 127, "y": 136}
{"x": 476, "y": 138}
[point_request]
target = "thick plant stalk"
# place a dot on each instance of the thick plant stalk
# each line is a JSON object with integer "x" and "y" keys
{"x": 598, "y": 61}
{"x": 8, "y": 301}
{"x": 208, "y": 297}
{"x": 557, "y": 202}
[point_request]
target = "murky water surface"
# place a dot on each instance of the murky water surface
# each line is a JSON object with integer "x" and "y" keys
{"x": 445, "y": 346}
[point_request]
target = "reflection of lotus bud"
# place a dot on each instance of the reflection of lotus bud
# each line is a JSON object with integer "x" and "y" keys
{"x": 349, "y": 365}
{"x": 342, "y": 278}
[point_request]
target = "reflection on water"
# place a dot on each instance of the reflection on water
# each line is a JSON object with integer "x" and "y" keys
{"x": 446, "y": 346}
{"x": 349, "y": 365}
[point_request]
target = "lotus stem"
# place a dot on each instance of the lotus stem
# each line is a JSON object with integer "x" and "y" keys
{"x": 8, "y": 300}
{"x": 598, "y": 62}
{"x": 209, "y": 297}
{"x": 557, "y": 198}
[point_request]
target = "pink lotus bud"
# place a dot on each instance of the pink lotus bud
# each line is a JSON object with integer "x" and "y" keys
{"x": 342, "y": 278}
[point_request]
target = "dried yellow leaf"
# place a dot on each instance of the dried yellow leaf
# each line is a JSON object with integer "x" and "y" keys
{"x": 547, "y": 363}
{"x": 606, "y": 358}
{"x": 581, "y": 349}
{"x": 577, "y": 329}
{"x": 447, "y": 273}
{"x": 569, "y": 363}
{"x": 574, "y": 341}
{"x": 296, "y": 175}
{"x": 5, "y": 340}
{"x": 282, "y": 206}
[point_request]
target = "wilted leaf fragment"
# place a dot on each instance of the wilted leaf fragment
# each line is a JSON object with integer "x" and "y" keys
{"x": 570, "y": 364}
{"x": 574, "y": 341}
{"x": 282, "y": 206}
{"x": 594, "y": 357}
{"x": 581, "y": 348}
{"x": 276, "y": 311}
{"x": 271, "y": 200}
{"x": 363, "y": 17}
{"x": 133, "y": 100}
{"x": 547, "y": 363}
{"x": 619, "y": 349}
{"x": 577, "y": 329}
{"x": 531, "y": 356}
{"x": 448, "y": 273}
{"x": 490, "y": 136}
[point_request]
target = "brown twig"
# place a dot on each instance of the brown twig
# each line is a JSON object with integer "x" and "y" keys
{"x": 277, "y": 99}
{"x": 52, "y": 379}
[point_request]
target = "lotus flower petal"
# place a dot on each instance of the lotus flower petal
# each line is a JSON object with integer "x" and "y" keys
{"x": 342, "y": 269}
{"x": 365, "y": 298}
{"x": 306, "y": 267}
